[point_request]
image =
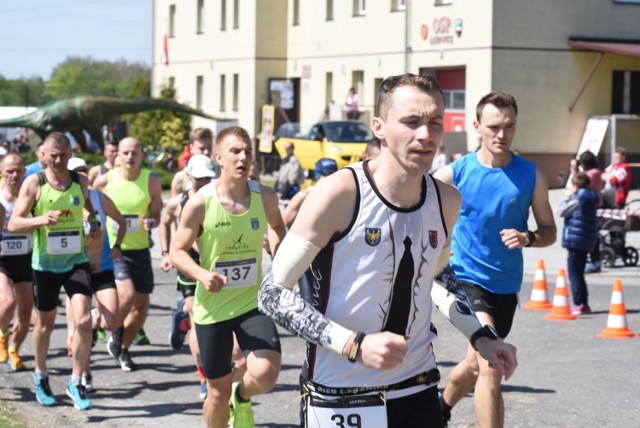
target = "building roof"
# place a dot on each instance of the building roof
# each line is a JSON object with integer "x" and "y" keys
{"x": 618, "y": 47}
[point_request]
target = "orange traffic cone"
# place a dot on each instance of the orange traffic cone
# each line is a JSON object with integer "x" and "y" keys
{"x": 539, "y": 298}
{"x": 561, "y": 310}
{"x": 617, "y": 321}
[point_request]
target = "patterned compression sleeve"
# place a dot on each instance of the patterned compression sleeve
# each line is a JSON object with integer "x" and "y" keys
{"x": 449, "y": 297}
{"x": 291, "y": 312}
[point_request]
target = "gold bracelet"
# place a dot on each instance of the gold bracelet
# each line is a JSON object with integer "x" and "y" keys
{"x": 355, "y": 346}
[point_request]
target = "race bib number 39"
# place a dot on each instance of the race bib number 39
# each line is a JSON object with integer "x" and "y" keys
{"x": 241, "y": 273}
{"x": 63, "y": 242}
{"x": 15, "y": 245}
{"x": 361, "y": 411}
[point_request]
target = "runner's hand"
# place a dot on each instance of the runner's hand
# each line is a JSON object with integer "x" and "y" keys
{"x": 500, "y": 355}
{"x": 213, "y": 281}
{"x": 382, "y": 351}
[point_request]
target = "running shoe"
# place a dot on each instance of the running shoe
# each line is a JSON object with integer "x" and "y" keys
{"x": 141, "y": 338}
{"x": 44, "y": 395}
{"x": 79, "y": 396}
{"x": 102, "y": 334}
{"x": 125, "y": 361}
{"x": 180, "y": 327}
{"x": 114, "y": 345}
{"x": 15, "y": 362}
{"x": 446, "y": 412}
{"x": 87, "y": 382}
{"x": 242, "y": 411}
{"x": 4, "y": 348}
{"x": 203, "y": 390}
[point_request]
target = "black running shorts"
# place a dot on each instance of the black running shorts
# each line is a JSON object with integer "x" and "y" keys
{"x": 253, "y": 330}
{"x": 46, "y": 285}
{"x": 501, "y": 307}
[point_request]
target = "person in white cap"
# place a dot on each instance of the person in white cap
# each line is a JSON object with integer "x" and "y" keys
{"x": 101, "y": 256}
{"x": 200, "y": 172}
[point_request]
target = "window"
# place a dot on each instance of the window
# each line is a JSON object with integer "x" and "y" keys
{"x": 236, "y": 90}
{"x": 236, "y": 13}
{"x": 397, "y": 5}
{"x": 359, "y": 7}
{"x": 454, "y": 99}
{"x": 328, "y": 88}
{"x": 200, "y": 17}
{"x": 626, "y": 92}
{"x": 223, "y": 15}
{"x": 223, "y": 83}
{"x": 172, "y": 20}
{"x": 199, "y": 92}
{"x": 296, "y": 12}
{"x": 376, "y": 92}
{"x": 329, "y": 10}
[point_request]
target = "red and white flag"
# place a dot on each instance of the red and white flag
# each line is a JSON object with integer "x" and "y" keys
{"x": 165, "y": 49}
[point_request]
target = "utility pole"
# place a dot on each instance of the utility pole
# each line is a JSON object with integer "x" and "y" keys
{"x": 407, "y": 48}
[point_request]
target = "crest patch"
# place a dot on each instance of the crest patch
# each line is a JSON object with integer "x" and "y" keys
{"x": 372, "y": 236}
{"x": 255, "y": 224}
{"x": 433, "y": 238}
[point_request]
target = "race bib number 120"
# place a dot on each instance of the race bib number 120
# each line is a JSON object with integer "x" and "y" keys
{"x": 355, "y": 411}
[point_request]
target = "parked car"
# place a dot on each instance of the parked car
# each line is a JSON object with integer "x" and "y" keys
{"x": 341, "y": 140}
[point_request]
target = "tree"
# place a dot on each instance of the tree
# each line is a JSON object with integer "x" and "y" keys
{"x": 23, "y": 92}
{"x": 158, "y": 127}
{"x": 85, "y": 75}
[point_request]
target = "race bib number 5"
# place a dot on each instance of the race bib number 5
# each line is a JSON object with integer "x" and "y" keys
{"x": 63, "y": 242}
{"x": 357, "y": 411}
{"x": 241, "y": 273}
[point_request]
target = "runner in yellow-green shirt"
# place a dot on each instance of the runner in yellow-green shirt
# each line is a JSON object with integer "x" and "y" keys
{"x": 228, "y": 218}
{"x": 57, "y": 197}
{"x": 137, "y": 193}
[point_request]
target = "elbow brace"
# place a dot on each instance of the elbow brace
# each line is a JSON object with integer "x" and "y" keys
{"x": 278, "y": 302}
{"x": 449, "y": 297}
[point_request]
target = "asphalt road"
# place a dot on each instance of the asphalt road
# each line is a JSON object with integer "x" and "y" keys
{"x": 567, "y": 377}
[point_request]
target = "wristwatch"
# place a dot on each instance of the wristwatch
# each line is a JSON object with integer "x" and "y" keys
{"x": 486, "y": 331}
{"x": 531, "y": 237}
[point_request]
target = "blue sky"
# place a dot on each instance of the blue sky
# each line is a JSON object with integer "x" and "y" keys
{"x": 37, "y": 35}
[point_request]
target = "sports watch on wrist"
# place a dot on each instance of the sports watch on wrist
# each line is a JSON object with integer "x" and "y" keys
{"x": 486, "y": 331}
{"x": 531, "y": 237}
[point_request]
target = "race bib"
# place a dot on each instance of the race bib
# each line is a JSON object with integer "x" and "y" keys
{"x": 133, "y": 223}
{"x": 241, "y": 273}
{"x": 15, "y": 245}
{"x": 358, "y": 411}
{"x": 63, "y": 242}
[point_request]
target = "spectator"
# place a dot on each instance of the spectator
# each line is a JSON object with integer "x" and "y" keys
{"x": 351, "y": 104}
{"x": 579, "y": 237}
{"x": 589, "y": 164}
{"x": 618, "y": 176}
{"x": 291, "y": 175}
{"x": 439, "y": 160}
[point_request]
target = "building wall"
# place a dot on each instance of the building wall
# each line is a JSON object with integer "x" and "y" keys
{"x": 516, "y": 46}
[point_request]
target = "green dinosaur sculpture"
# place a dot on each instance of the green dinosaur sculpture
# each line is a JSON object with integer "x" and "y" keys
{"x": 91, "y": 113}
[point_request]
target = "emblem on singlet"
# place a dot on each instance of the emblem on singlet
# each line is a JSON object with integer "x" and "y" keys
{"x": 255, "y": 224}
{"x": 76, "y": 200}
{"x": 372, "y": 236}
{"x": 433, "y": 238}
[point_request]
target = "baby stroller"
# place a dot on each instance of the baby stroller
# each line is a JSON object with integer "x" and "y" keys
{"x": 614, "y": 224}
